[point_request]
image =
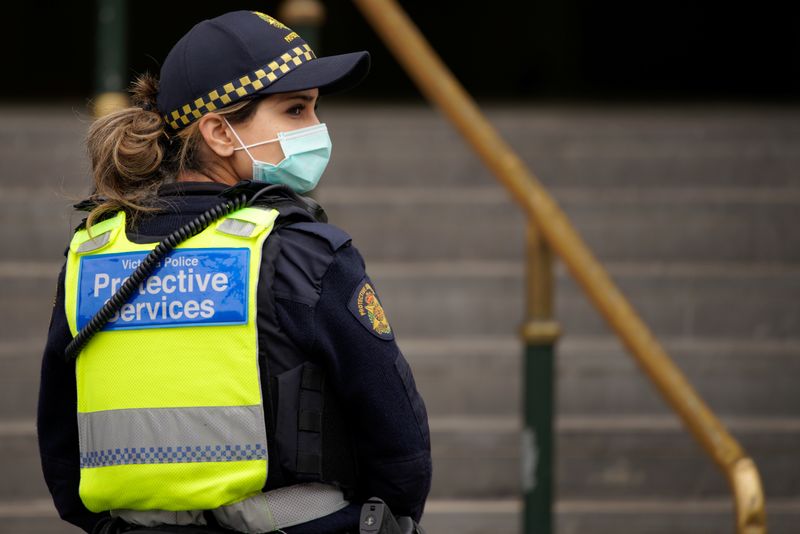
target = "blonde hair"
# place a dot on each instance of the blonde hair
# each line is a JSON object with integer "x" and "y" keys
{"x": 132, "y": 153}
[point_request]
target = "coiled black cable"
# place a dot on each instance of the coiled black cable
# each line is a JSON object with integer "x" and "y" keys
{"x": 147, "y": 266}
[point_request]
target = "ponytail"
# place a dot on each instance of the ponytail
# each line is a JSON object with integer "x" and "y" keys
{"x": 132, "y": 154}
{"x": 126, "y": 150}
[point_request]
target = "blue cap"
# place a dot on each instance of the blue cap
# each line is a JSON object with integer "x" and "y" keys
{"x": 241, "y": 54}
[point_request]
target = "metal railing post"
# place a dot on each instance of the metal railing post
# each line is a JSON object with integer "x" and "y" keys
{"x": 540, "y": 333}
{"x": 111, "y": 64}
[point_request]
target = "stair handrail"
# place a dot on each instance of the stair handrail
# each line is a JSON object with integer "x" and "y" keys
{"x": 438, "y": 84}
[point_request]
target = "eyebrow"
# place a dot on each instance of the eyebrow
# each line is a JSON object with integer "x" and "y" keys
{"x": 305, "y": 98}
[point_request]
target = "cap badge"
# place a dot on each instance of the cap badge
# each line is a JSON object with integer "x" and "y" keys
{"x": 289, "y": 37}
{"x": 271, "y": 21}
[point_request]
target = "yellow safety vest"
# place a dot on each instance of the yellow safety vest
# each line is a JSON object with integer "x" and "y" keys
{"x": 170, "y": 410}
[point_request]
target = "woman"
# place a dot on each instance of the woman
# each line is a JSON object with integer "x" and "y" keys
{"x": 176, "y": 426}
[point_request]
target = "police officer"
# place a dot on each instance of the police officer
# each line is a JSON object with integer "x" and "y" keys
{"x": 251, "y": 381}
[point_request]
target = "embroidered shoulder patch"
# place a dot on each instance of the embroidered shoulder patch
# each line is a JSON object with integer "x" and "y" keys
{"x": 366, "y": 307}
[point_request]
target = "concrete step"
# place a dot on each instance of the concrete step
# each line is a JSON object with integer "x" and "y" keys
{"x": 504, "y": 517}
{"x": 482, "y": 376}
{"x": 37, "y": 525}
{"x": 569, "y": 146}
{"x": 606, "y": 516}
{"x": 595, "y": 376}
{"x": 49, "y": 223}
{"x": 43, "y": 146}
{"x": 620, "y": 457}
{"x": 402, "y": 224}
{"x": 486, "y": 298}
{"x": 36, "y": 515}
{"x": 21, "y": 467}
{"x": 395, "y": 144}
{"x": 20, "y": 363}
{"x": 619, "y": 224}
{"x": 614, "y": 457}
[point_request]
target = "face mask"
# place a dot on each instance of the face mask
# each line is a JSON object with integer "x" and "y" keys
{"x": 306, "y": 154}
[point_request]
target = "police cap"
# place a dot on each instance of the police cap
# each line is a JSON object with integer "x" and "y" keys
{"x": 241, "y": 54}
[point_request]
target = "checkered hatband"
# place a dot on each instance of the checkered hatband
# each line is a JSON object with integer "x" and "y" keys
{"x": 234, "y": 90}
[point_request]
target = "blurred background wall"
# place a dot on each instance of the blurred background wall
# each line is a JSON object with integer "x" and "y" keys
{"x": 499, "y": 50}
{"x": 669, "y": 132}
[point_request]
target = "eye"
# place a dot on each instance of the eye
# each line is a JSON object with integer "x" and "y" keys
{"x": 296, "y": 110}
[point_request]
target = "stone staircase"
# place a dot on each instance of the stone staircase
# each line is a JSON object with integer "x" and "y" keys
{"x": 694, "y": 210}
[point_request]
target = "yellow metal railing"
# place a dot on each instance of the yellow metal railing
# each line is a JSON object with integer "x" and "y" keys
{"x": 440, "y": 87}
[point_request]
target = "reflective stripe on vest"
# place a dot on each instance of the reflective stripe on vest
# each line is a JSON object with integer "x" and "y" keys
{"x": 170, "y": 413}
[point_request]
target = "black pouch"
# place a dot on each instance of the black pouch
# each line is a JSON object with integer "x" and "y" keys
{"x": 298, "y": 424}
{"x": 311, "y": 432}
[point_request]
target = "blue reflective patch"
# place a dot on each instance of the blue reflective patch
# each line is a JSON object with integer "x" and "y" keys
{"x": 190, "y": 287}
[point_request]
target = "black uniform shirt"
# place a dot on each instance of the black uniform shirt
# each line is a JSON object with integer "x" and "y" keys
{"x": 319, "y": 276}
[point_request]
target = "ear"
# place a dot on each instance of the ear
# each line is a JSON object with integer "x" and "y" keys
{"x": 217, "y": 135}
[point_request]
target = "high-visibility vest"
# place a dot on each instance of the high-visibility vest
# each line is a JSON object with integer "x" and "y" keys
{"x": 170, "y": 409}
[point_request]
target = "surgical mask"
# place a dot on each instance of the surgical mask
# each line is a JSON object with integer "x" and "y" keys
{"x": 306, "y": 154}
